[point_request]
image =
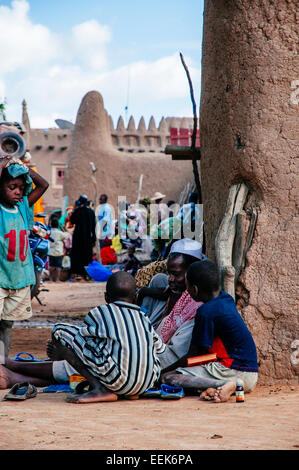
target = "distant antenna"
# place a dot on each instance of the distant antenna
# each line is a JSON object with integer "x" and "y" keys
{"x": 128, "y": 95}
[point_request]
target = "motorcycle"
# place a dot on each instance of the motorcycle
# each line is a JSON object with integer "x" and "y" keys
{"x": 39, "y": 239}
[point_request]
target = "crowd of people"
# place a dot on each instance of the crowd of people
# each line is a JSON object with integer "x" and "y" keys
{"x": 160, "y": 321}
{"x": 83, "y": 234}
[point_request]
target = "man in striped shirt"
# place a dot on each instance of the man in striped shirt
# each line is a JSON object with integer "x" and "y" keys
{"x": 116, "y": 349}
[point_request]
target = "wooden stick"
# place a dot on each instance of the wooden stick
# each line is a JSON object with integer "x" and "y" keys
{"x": 238, "y": 252}
{"x": 193, "y": 138}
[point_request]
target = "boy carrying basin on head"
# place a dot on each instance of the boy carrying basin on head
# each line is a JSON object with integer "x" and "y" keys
{"x": 17, "y": 197}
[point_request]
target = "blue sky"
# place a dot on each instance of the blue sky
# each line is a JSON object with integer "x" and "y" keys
{"x": 56, "y": 51}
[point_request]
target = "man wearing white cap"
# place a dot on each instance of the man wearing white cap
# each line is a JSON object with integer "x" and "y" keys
{"x": 187, "y": 246}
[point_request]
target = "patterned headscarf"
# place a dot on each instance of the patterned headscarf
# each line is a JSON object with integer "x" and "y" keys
{"x": 16, "y": 168}
{"x": 184, "y": 309}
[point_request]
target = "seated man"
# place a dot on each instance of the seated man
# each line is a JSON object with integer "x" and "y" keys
{"x": 168, "y": 305}
{"x": 220, "y": 329}
{"x": 116, "y": 350}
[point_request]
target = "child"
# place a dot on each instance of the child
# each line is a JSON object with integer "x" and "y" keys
{"x": 16, "y": 266}
{"x": 220, "y": 329}
{"x": 108, "y": 255}
{"x": 56, "y": 250}
{"x": 131, "y": 264}
{"x": 116, "y": 348}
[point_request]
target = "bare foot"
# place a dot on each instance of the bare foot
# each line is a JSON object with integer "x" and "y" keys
{"x": 223, "y": 393}
{"x": 131, "y": 397}
{"x": 54, "y": 350}
{"x": 4, "y": 379}
{"x": 208, "y": 394}
{"x": 93, "y": 396}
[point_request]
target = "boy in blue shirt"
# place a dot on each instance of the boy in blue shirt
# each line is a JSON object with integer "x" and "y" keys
{"x": 17, "y": 198}
{"x": 218, "y": 329}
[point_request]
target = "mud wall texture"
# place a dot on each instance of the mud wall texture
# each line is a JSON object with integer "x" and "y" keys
{"x": 118, "y": 173}
{"x": 249, "y": 133}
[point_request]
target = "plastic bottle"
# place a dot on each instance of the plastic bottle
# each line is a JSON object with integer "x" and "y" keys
{"x": 240, "y": 398}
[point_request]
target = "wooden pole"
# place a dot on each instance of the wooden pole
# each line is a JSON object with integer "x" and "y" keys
{"x": 183, "y": 153}
{"x": 95, "y": 184}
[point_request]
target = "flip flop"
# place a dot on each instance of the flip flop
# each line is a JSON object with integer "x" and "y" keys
{"x": 21, "y": 391}
{"x": 152, "y": 393}
{"x": 57, "y": 388}
{"x": 172, "y": 393}
{"x": 29, "y": 358}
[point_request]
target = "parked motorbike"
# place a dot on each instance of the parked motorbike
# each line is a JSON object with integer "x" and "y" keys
{"x": 39, "y": 239}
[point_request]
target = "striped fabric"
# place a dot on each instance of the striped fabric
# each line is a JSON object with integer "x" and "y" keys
{"x": 118, "y": 345}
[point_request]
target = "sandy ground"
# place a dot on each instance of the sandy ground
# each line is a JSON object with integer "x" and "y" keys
{"x": 268, "y": 420}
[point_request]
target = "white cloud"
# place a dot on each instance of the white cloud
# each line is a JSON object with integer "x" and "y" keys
{"x": 25, "y": 44}
{"x": 54, "y": 71}
{"x": 149, "y": 87}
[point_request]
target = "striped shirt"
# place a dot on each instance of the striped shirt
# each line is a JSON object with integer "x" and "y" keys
{"x": 118, "y": 345}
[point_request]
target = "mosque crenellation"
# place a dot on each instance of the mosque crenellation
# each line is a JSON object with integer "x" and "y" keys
{"x": 129, "y": 138}
{"x": 140, "y": 138}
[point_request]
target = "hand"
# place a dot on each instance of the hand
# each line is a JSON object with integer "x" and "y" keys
{"x": 166, "y": 293}
{"x": 140, "y": 295}
{"x": 4, "y": 159}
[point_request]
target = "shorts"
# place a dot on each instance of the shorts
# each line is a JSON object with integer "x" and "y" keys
{"x": 15, "y": 304}
{"x": 55, "y": 261}
{"x": 62, "y": 371}
{"x": 217, "y": 371}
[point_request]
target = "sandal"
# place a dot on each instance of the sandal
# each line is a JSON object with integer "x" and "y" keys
{"x": 165, "y": 392}
{"x": 56, "y": 388}
{"x": 29, "y": 358}
{"x": 21, "y": 391}
{"x": 152, "y": 393}
{"x": 169, "y": 392}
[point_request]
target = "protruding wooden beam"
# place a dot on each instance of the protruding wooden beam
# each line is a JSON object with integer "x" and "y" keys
{"x": 183, "y": 153}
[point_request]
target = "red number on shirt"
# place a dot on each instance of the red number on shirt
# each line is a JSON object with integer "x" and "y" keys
{"x": 11, "y": 254}
{"x": 12, "y": 243}
{"x": 23, "y": 245}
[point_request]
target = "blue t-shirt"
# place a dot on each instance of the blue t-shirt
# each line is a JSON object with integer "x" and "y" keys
{"x": 105, "y": 220}
{"x": 16, "y": 264}
{"x": 220, "y": 328}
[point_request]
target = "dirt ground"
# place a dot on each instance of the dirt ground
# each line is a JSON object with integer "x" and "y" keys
{"x": 267, "y": 420}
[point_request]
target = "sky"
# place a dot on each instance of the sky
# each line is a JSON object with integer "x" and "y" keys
{"x": 54, "y": 51}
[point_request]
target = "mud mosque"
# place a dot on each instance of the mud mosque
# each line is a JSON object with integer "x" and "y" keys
{"x": 94, "y": 138}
